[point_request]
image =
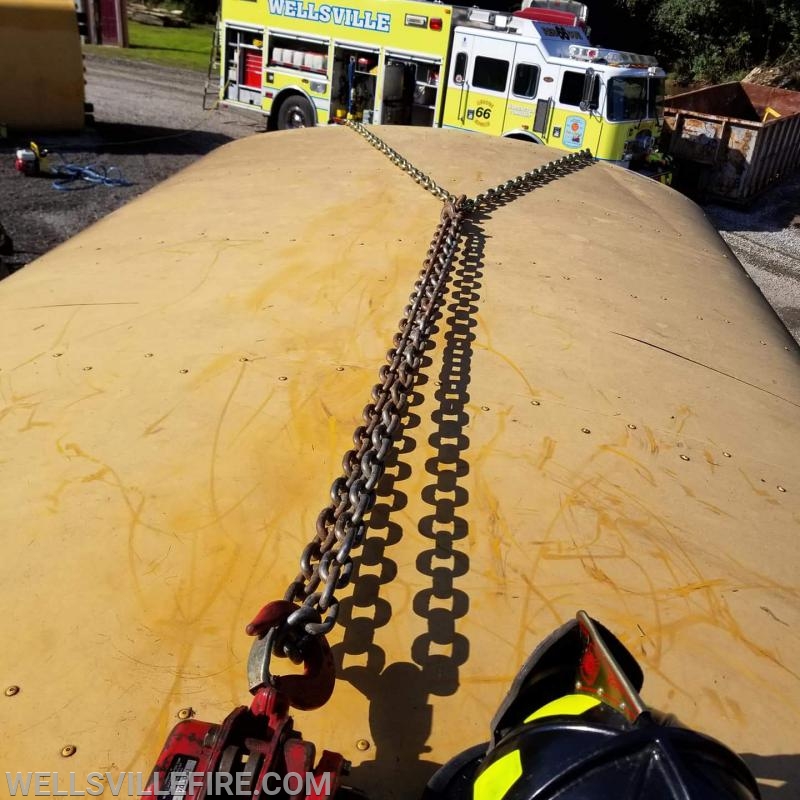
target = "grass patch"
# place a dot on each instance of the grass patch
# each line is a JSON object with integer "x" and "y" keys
{"x": 189, "y": 48}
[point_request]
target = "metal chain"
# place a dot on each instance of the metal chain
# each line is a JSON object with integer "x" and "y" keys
{"x": 526, "y": 180}
{"x": 326, "y": 564}
{"x": 417, "y": 174}
{"x": 521, "y": 182}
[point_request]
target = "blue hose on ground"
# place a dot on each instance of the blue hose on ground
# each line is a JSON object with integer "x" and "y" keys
{"x": 71, "y": 177}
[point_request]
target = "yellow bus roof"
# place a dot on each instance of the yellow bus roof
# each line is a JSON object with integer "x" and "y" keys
{"x": 178, "y": 383}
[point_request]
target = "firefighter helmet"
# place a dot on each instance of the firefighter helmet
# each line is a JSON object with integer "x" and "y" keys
{"x": 568, "y": 732}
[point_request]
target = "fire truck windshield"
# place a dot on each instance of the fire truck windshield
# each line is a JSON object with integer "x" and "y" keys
{"x": 634, "y": 98}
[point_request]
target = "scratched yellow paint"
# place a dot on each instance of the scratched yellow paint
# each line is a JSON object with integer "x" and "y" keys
{"x": 178, "y": 384}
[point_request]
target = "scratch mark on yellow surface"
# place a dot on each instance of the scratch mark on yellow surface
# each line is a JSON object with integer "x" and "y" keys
{"x": 690, "y": 588}
{"x": 94, "y": 393}
{"x": 604, "y": 396}
{"x": 27, "y": 361}
{"x": 760, "y": 491}
{"x": 557, "y": 323}
{"x": 81, "y": 305}
{"x": 689, "y": 492}
{"x": 497, "y": 532}
{"x": 41, "y": 720}
{"x": 4, "y": 412}
{"x": 216, "y": 441}
{"x": 707, "y": 366}
{"x": 32, "y": 423}
{"x": 64, "y": 328}
{"x": 528, "y": 385}
{"x": 256, "y": 411}
{"x": 187, "y": 609}
{"x": 157, "y": 562}
{"x": 709, "y": 456}
{"x": 736, "y": 710}
{"x": 547, "y": 454}
{"x": 621, "y": 516}
{"x": 651, "y": 440}
{"x": 155, "y": 426}
{"x": 640, "y": 468}
{"x": 152, "y": 309}
{"x": 777, "y": 619}
{"x": 715, "y": 701}
{"x": 682, "y": 416}
{"x": 203, "y": 278}
{"x": 135, "y": 507}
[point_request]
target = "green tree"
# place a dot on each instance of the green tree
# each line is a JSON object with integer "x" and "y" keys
{"x": 199, "y": 10}
{"x": 716, "y": 39}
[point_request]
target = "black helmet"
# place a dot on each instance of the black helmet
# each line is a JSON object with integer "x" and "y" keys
{"x": 589, "y": 737}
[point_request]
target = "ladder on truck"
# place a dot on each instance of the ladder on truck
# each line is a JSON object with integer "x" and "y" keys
{"x": 211, "y": 89}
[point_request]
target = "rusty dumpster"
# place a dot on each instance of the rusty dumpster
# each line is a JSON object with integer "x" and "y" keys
{"x": 732, "y": 141}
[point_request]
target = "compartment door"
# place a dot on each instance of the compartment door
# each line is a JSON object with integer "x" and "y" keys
{"x": 531, "y": 90}
{"x": 478, "y": 83}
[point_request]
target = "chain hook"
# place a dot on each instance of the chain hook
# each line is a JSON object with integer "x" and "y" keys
{"x": 314, "y": 687}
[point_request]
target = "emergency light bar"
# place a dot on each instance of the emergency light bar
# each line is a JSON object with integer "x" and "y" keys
{"x": 488, "y": 17}
{"x": 615, "y": 57}
{"x": 420, "y": 21}
{"x": 584, "y": 53}
{"x": 580, "y": 10}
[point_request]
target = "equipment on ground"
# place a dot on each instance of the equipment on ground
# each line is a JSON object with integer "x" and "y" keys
{"x": 38, "y": 161}
{"x": 32, "y": 160}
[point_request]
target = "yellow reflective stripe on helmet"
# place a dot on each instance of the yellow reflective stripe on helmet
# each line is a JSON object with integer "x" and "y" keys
{"x": 571, "y": 704}
{"x": 496, "y": 780}
{"x": 498, "y": 777}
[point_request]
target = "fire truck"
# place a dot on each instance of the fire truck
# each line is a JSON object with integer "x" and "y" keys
{"x": 532, "y": 74}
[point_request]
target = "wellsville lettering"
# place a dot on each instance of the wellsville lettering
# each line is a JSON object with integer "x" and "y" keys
{"x": 338, "y": 15}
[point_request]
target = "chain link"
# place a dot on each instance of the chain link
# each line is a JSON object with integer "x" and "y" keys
{"x": 417, "y": 174}
{"x": 520, "y": 183}
{"x": 527, "y": 180}
{"x": 326, "y": 563}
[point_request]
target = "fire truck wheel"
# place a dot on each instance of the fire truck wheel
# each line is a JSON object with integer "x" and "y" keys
{"x": 295, "y": 112}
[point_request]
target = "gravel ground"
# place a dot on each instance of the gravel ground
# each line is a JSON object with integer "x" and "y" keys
{"x": 149, "y": 123}
{"x": 768, "y": 245}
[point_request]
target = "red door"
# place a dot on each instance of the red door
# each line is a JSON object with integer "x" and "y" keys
{"x": 113, "y": 23}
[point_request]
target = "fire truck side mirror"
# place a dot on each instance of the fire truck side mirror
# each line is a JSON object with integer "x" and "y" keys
{"x": 589, "y": 100}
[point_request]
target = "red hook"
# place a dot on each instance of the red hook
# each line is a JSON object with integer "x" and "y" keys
{"x": 310, "y": 690}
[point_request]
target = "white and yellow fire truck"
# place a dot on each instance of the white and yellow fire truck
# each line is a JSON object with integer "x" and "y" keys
{"x": 531, "y": 74}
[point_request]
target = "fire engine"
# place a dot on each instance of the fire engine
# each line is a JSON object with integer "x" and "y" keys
{"x": 532, "y": 74}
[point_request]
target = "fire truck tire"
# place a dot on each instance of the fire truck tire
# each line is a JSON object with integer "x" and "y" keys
{"x": 295, "y": 112}
{"x": 522, "y": 138}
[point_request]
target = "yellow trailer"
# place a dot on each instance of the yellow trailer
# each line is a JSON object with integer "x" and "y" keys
{"x": 41, "y": 64}
{"x": 606, "y": 419}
